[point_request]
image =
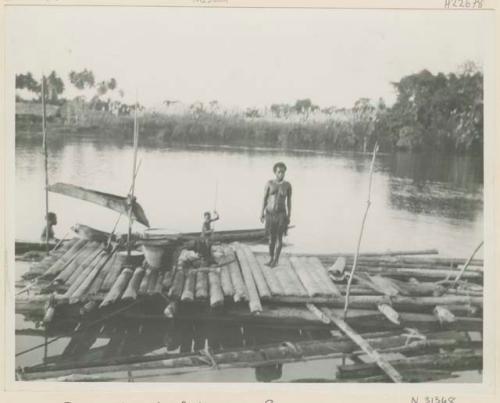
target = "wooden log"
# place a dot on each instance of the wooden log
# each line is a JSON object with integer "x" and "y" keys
{"x": 87, "y": 281}
{"x": 316, "y": 276}
{"x": 245, "y": 257}
{"x": 227, "y": 284}
{"x": 288, "y": 278}
{"x": 133, "y": 285}
{"x": 143, "y": 287}
{"x": 215, "y": 289}
{"x": 323, "y": 275}
{"x": 118, "y": 287}
{"x": 83, "y": 273}
{"x": 119, "y": 261}
{"x": 431, "y": 274}
{"x": 152, "y": 281}
{"x": 253, "y": 295}
{"x": 201, "y": 288}
{"x": 312, "y": 288}
{"x": 168, "y": 279}
{"x": 59, "y": 265}
{"x": 82, "y": 255}
{"x": 171, "y": 309}
{"x": 335, "y": 347}
{"x": 400, "y": 303}
{"x": 175, "y": 291}
{"x": 240, "y": 289}
{"x": 338, "y": 267}
{"x": 158, "y": 289}
{"x": 271, "y": 279}
{"x": 97, "y": 283}
{"x": 189, "y": 286}
{"x": 462, "y": 361}
{"x": 380, "y": 361}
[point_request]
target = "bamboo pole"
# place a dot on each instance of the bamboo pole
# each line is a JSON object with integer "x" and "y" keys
{"x": 46, "y": 169}
{"x": 246, "y": 258}
{"x": 368, "y": 202}
{"x": 382, "y": 363}
{"x": 467, "y": 264}
{"x": 131, "y": 194}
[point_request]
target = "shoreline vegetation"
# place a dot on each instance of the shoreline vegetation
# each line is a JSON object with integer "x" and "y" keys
{"x": 442, "y": 112}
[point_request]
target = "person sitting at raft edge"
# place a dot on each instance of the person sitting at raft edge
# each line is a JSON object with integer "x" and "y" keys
{"x": 206, "y": 234}
{"x": 276, "y": 211}
{"x": 51, "y": 220}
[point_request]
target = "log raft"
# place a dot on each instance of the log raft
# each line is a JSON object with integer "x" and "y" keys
{"x": 84, "y": 271}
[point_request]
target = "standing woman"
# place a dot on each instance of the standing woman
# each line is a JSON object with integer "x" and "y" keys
{"x": 276, "y": 211}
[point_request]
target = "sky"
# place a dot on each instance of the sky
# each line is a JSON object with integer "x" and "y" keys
{"x": 244, "y": 57}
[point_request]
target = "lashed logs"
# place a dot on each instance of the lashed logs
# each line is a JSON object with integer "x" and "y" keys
{"x": 82, "y": 273}
{"x": 97, "y": 283}
{"x": 215, "y": 289}
{"x": 201, "y": 289}
{"x": 59, "y": 265}
{"x": 77, "y": 260}
{"x": 86, "y": 281}
{"x": 288, "y": 278}
{"x": 118, "y": 262}
{"x": 133, "y": 285}
{"x": 272, "y": 280}
{"x": 189, "y": 286}
{"x": 456, "y": 361}
{"x": 312, "y": 288}
{"x": 175, "y": 291}
{"x": 118, "y": 287}
{"x": 401, "y": 303}
{"x": 253, "y": 295}
{"x": 246, "y": 258}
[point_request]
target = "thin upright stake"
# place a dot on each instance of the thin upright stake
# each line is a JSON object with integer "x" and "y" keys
{"x": 368, "y": 202}
{"x": 45, "y": 154}
{"x": 132, "y": 188}
{"x": 467, "y": 264}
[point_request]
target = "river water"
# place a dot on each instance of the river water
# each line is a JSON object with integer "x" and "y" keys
{"x": 417, "y": 202}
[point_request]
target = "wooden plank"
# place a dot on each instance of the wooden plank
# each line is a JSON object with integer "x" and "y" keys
{"x": 215, "y": 289}
{"x": 313, "y": 289}
{"x": 363, "y": 344}
{"x": 288, "y": 278}
{"x": 253, "y": 295}
{"x": 246, "y": 258}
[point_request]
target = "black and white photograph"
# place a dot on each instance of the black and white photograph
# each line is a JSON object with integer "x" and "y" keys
{"x": 217, "y": 194}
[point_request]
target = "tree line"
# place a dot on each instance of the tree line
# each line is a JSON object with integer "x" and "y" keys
{"x": 431, "y": 112}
